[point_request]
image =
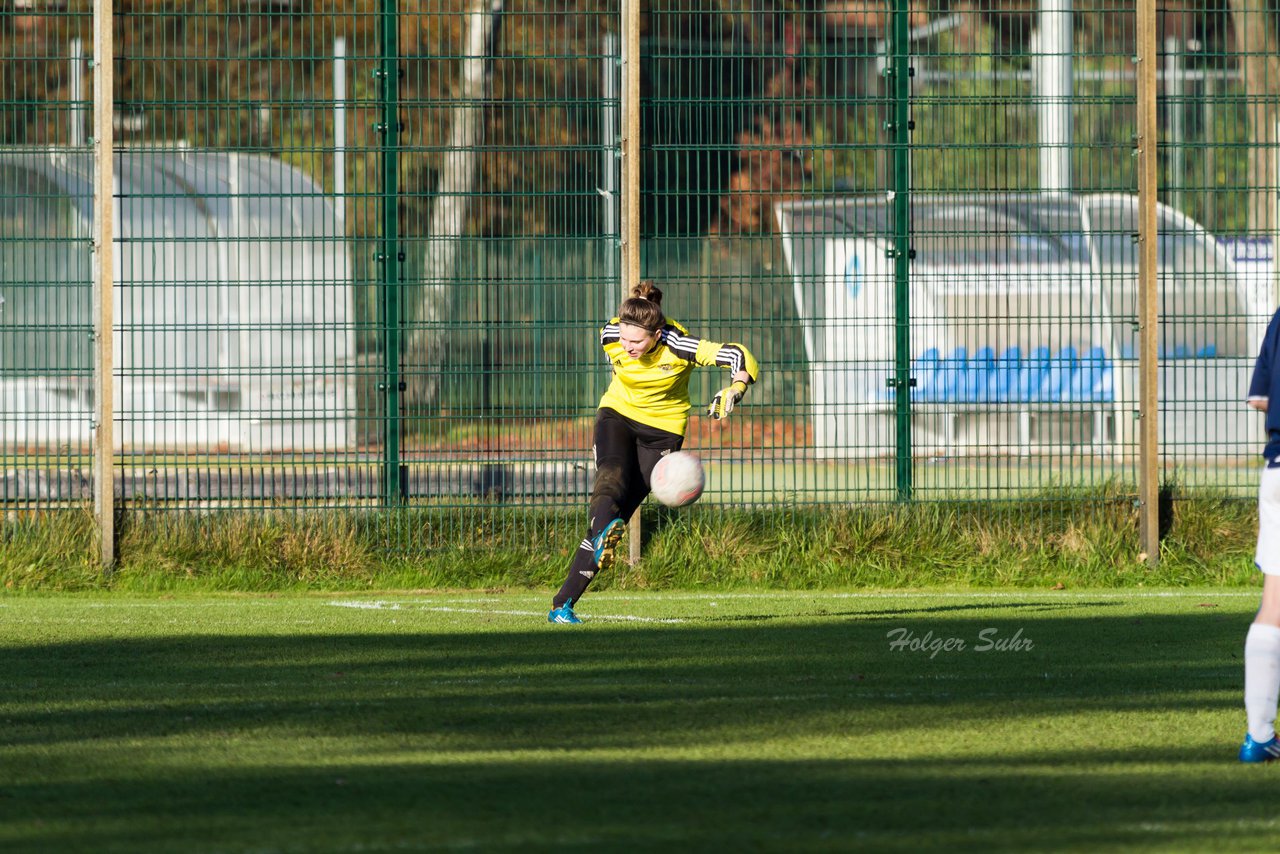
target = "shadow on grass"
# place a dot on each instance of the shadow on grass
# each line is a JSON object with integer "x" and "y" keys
{"x": 890, "y": 613}
{"x": 645, "y": 804}
{"x": 786, "y": 736}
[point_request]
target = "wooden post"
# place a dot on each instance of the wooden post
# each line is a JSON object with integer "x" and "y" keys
{"x": 104, "y": 494}
{"x": 630, "y": 231}
{"x": 1148, "y": 295}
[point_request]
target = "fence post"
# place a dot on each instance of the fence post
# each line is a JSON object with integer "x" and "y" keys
{"x": 899, "y": 71}
{"x": 630, "y": 232}
{"x": 104, "y": 492}
{"x": 389, "y": 250}
{"x": 1148, "y": 298}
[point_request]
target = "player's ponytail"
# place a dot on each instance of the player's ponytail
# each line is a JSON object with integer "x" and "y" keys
{"x": 644, "y": 308}
{"x": 646, "y": 290}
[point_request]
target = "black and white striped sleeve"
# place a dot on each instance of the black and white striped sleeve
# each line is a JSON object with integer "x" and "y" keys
{"x": 681, "y": 343}
{"x": 609, "y": 333}
{"x": 733, "y": 356}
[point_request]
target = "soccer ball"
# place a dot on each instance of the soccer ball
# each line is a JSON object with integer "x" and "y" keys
{"x": 677, "y": 479}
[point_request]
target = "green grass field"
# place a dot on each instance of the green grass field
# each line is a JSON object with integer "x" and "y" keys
{"x": 1069, "y": 721}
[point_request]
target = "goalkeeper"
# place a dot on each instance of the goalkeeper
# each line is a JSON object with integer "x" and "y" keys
{"x": 642, "y": 418}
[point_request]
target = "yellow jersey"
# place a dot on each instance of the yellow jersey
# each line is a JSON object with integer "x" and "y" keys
{"x": 654, "y": 389}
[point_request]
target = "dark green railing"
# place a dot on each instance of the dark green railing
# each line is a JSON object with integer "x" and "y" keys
{"x": 861, "y": 192}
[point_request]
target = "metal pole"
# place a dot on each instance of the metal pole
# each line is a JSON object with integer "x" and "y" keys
{"x": 1148, "y": 297}
{"x": 340, "y": 128}
{"x": 1174, "y": 95}
{"x": 389, "y": 250}
{"x": 630, "y": 235}
{"x": 899, "y": 127}
{"x": 609, "y": 158}
{"x": 1209, "y": 218}
{"x": 1055, "y": 82}
{"x": 75, "y": 94}
{"x": 104, "y": 493}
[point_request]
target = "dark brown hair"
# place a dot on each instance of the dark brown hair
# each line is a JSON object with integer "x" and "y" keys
{"x": 644, "y": 308}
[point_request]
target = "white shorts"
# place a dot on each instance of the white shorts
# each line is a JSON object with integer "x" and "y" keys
{"x": 1267, "y": 557}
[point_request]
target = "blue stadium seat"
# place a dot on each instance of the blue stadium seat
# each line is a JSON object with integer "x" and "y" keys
{"x": 1008, "y": 368}
{"x": 979, "y": 377}
{"x": 1208, "y": 351}
{"x": 1092, "y": 380}
{"x": 925, "y": 371}
{"x": 1104, "y": 389}
{"x": 1031, "y": 378}
{"x": 1058, "y": 378}
{"x": 951, "y": 373}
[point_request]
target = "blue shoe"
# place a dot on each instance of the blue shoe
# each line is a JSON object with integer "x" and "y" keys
{"x": 606, "y": 543}
{"x": 564, "y": 614}
{"x": 1252, "y": 751}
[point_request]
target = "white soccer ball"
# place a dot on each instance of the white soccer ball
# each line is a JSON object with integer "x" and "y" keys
{"x": 677, "y": 479}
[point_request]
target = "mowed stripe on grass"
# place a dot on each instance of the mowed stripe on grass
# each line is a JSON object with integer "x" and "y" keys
{"x": 1000, "y": 720}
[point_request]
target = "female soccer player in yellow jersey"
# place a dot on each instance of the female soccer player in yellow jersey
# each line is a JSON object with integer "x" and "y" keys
{"x": 642, "y": 418}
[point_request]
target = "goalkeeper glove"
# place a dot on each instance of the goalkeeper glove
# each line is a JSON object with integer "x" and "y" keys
{"x": 726, "y": 399}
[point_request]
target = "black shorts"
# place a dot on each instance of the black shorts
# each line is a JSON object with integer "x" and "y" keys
{"x": 630, "y": 448}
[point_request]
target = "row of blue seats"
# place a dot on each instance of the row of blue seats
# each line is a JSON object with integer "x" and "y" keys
{"x": 1180, "y": 351}
{"x": 1040, "y": 377}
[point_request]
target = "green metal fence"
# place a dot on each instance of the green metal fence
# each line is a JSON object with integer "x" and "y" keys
{"x": 364, "y": 247}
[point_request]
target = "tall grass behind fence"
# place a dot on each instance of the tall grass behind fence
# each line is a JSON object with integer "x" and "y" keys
{"x": 366, "y": 247}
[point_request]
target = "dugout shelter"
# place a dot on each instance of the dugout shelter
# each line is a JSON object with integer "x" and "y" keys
{"x": 1023, "y": 325}
{"x": 233, "y": 303}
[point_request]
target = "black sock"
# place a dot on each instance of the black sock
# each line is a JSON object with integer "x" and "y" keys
{"x": 581, "y": 571}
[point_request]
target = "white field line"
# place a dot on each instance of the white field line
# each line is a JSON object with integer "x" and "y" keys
{"x": 1036, "y": 595}
{"x": 924, "y": 594}
{"x": 450, "y": 604}
{"x": 393, "y": 606}
{"x": 765, "y": 596}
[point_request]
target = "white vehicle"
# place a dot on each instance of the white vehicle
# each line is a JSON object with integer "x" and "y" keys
{"x": 1023, "y": 325}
